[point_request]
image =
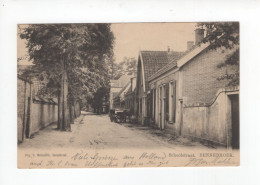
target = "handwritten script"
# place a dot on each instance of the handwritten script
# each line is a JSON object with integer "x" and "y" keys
{"x": 102, "y": 159}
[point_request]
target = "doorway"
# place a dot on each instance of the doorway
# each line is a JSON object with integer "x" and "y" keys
{"x": 235, "y": 120}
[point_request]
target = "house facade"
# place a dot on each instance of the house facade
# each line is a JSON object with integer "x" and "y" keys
{"x": 116, "y": 86}
{"x": 119, "y": 99}
{"x": 165, "y": 101}
{"x": 125, "y": 99}
{"x": 210, "y": 108}
{"x": 130, "y": 98}
{"x": 188, "y": 99}
{"x": 149, "y": 62}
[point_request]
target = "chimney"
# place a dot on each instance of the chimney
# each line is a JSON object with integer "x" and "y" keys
{"x": 199, "y": 35}
{"x": 190, "y": 44}
{"x": 169, "y": 49}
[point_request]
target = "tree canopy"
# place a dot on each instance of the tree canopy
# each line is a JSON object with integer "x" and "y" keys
{"x": 85, "y": 47}
{"x": 126, "y": 67}
{"x": 70, "y": 56}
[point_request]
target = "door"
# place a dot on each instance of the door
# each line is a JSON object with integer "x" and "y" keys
{"x": 235, "y": 120}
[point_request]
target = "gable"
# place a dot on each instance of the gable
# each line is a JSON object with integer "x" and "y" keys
{"x": 139, "y": 77}
{"x": 191, "y": 54}
{"x": 201, "y": 73}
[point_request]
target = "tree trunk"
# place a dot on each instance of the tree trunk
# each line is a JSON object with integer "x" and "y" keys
{"x": 60, "y": 95}
{"x": 66, "y": 120}
{"x": 72, "y": 115}
{"x": 77, "y": 109}
{"x": 74, "y": 110}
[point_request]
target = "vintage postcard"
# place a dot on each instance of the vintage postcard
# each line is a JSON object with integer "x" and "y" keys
{"x": 128, "y": 95}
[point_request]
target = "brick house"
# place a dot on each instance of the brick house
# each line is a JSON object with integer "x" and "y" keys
{"x": 130, "y": 103}
{"x": 116, "y": 86}
{"x": 125, "y": 98}
{"x": 210, "y": 107}
{"x": 149, "y": 62}
{"x": 119, "y": 99}
{"x": 189, "y": 100}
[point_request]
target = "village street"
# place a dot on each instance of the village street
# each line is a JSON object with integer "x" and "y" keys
{"x": 91, "y": 131}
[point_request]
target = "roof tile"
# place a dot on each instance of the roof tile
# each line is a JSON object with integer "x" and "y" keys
{"x": 155, "y": 60}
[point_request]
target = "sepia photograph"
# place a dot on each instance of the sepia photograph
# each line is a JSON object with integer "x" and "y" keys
{"x": 124, "y": 95}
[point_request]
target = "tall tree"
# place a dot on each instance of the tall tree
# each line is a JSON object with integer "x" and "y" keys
{"x": 69, "y": 55}
{"x": 225, "y": 35}
{"x": 100, "y": 98}
{"x": 126, "y": 67}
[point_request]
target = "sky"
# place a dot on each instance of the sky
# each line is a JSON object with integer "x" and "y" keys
{"x": 130, "y": 38}
{"x": 21, "y": 49}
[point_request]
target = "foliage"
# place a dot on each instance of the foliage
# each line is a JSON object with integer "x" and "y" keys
{"x": 126, "y": 67}
{"x": 100, "y": 98}
{"x": 69, "y": 58}
{"x": 224, "y": 35}
{"x": 221, "y": 34}
{"x": 83, "y": 46}
{"x": 115, "y": 71}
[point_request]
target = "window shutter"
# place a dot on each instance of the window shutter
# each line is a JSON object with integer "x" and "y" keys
{"x": 154, "y": 102}
{"x": 174, "y": 101}
{"x": 167, "y": 102}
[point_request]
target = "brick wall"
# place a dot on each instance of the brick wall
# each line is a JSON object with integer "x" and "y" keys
{"x": 200, "y": 75}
